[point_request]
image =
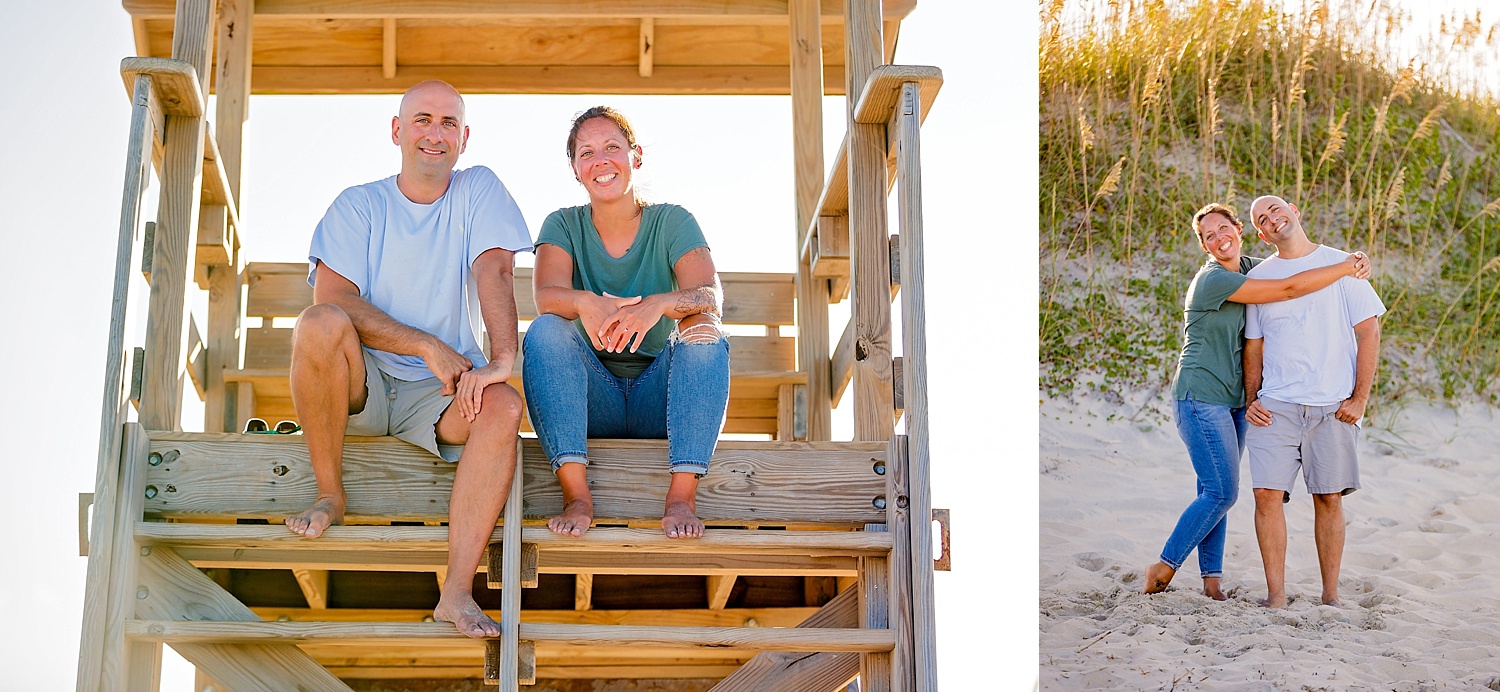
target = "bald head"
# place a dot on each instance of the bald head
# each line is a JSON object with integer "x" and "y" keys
{"x": 431, "y": 132}
{"x": 432, "y": 90}
{"x": 1279, "y": 223}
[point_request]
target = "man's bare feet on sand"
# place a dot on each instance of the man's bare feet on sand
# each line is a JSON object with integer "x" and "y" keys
{"x": 680, "y": 520}
{"x": 575, "y": 518}
{"x": 1158, "y": 576}
{"x": 1275, "y": 601}
{"x": 326, "y": 512}
{"x": 466, "y": 616}
{"x": 1332, "y": 600}
{"x": 1211, "y": 589}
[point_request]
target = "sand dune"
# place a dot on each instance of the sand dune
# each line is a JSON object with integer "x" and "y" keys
{"x": 1420, "y": 584}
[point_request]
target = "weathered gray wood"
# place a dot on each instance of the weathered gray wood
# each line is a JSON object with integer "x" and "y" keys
{"x": 174, "y": 589}
{"x": 398, "y": 633}
{"x": 914, "y": 347}
{"x": 116, "y": 395}
{"x": 510, "y": 596}
{"x": 771, "y": 483}
{"x": 557, "y": 562}
{"x": 875, "y": 674}
{"x": 125, "y": 664}
{"x": 881, "y": 95}
{"x": 807, "y": 145}
{"x": 784, "y": 671}
{"x": 899, "y": 524}
{"x": 755, "y": 11}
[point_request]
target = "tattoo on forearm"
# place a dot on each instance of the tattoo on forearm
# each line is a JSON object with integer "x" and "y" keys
{"x": 703, "y": 299}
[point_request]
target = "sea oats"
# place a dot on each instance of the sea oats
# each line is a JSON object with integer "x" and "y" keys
{"x": 1444, "y": 174}
{"x": 1111, "y": 181}
{"x": 1429, "y": 122}
{"x": 1491, "y": 208}
{"x": 1393, "y": 195}
{"x": 1336, "y": 137}
{"x": 1085, "y": 133}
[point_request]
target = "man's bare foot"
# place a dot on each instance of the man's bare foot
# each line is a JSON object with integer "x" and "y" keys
{"x": 1211, "y": 589}
{"x": 326, "y": 512}
{"x": 1333, "y": 600}
{"x": 1274, "y": 601}
{"x": 466, "y": 616}
{"x": 1158, "y": 576}
{"x": 680, "y": 520}
{"x": 576, "y": 518}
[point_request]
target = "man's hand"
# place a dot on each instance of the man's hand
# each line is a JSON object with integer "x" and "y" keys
{"x": 471, "y": 385}
{"x": 446, "y": 364}
{"x": 631, "y": 322}
{"x": 1257, "y": 414}
{"x": 596, "y": 313}
{"x": 1351, "y": 410}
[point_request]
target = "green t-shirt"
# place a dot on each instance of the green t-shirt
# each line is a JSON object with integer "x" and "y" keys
{"x": 1213, "y": 337}
{"x": 667, "y": 233}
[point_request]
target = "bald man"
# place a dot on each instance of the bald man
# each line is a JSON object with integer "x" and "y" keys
{"x": 402, "y": 270}
{"x": 1309, "y": 366}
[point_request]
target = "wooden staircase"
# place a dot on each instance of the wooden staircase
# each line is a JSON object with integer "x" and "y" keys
{"x": 179, "y": 518}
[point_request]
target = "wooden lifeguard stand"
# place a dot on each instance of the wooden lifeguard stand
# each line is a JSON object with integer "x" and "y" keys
{"x": 818, "y": 562}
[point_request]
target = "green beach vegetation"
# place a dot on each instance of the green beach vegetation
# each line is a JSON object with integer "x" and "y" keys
{"x": 1388, "y": 142}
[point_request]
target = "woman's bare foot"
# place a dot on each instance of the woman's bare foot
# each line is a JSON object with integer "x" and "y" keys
{"x": 466, "y": 616}
{"x": 1211, "y": 589}
{"x": 1158, "y": 576}
{"x": 326, "y": 512}
{"x": 680, "y": 520}
{"x": 576, "y": 518}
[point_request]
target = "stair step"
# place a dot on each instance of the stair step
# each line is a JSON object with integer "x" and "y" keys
{"x": 417, "y": 633}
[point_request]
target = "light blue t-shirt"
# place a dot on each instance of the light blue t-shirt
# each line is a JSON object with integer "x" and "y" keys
{"x": 1310, "y": 349}
{"x": 414, "y": 261}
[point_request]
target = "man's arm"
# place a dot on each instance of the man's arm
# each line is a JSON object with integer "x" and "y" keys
{"x": 380, "y": 331}
{"x": 1256, "y": 413}
{"x": 1367, "y": 356}
{"x": 494, "y": 274}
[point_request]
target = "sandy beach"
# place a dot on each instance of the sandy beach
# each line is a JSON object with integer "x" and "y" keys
{"x": 1420, "y": 580}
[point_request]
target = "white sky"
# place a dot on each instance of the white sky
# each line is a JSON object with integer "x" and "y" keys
{"x": 727, "y": 159}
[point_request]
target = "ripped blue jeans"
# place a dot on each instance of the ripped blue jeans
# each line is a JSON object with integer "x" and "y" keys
{"x": 570, "y": 396}
{"x": 1215, "y": 439}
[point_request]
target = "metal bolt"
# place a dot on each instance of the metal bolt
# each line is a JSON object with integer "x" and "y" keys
{"x": 880, "y": 468}
{"x": 142, "y": 593}
{"x": 145, "y": 550}
{"x": 154, "y": 459}
{"x": 150, "y": 492}
{"x": 283, "y": 618}
{"x": 901, "y": 501}
{"x": 752, "y": 622}
{"x": 879, "y": 503}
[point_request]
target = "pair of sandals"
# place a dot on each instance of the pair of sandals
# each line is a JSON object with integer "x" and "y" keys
{"x": 256, "y": 426}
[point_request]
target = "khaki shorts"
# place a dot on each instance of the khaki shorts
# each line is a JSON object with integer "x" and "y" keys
{"x": 1309, "y": 437}
{"x": 407, "y": 410}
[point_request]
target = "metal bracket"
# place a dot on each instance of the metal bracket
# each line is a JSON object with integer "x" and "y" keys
{"x": 944, "y": 562}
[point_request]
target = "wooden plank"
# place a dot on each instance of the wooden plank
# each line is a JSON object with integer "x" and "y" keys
{"x": 314, "y": 585}
{"x": 197, "y": 358}
{"x": 221, "y": 403}
{"x": 231, "y": 109}
{"x": 494, "y": 570}
{"x": 805, "y": 46}
{"x": 510, "y": 598}
{"x": 173, "y": 589}
{"x": 388, "y": 48}
{"x": 899, "y": 524}
{"x": 783, "y": 671}
{"x": 548, "y": 563}
{"x": 881, "y": 94}
{"x": 414, "y": 9}
{"x": 232, "y": 79}
{"x": 719, "y": 589}
{"x": 914, "y": 367}
{"x": 729, "y": 80}
{"x": 526, "y": 662}
{"x": 583, "y": 591}
{"x": 769, "y": 483}
{"x": 786, "y": 412}
{"x": 411, "y": 633}
{"x": 647, "y": 44}
{"x": 213, "y": 242}
{"x": 869, "y": 252}
{"x": 728, "y": 617}
{"x": 842, "y": 366}
{"x": 874, "y": 613}
{"x": 175, "y": 83}
{"x": 115, "y": 655}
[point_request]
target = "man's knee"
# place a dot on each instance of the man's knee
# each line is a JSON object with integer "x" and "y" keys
{"x": 322, "y": 328}
{"x": 1268, "y": 499}
{"x": 502, "y": 405}
{"x": 1330, "y": 501}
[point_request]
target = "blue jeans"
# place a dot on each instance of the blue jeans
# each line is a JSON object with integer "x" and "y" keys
{"x": 1215, "y": 439}
{"x": 681, "y": 397}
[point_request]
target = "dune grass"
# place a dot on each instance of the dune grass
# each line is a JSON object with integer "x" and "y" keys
{"x": 1151, "y": 109}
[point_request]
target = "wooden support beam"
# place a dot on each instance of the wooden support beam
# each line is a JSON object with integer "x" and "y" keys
{"x": 106, "y": 651}
{"x": 416, "y": 633}
{"x": 175, "y": 84}
{"x": 647, "y": 45}
{"x": 232, "y": 87}
{"x": 875, "y": 673}
{"x": 494, "y": 570}
{"x": 232, "y": 108}
{"x": 746, "y": 80}
{"x": 907, "y": 118}
{"x": 314, "y": 585}
{"x": 869, "y": 252}
{"x": 562, "y": 562}
{"x": 172, "y": 588}
{"x": 509, "y": 674}
{"x": 783, "y": 671}
{"x": 177, "y": 222}
{"x": 807, "y": 88}
{"x": 719, "y": 589}
{"x": 388, "y": 48}
{"x": 900, "y": 526}
{"x": 583, "y": 591}
{"x": 770, "y": 11}
{"x": 700, "y": 617}
{"x": 197, "y": 359}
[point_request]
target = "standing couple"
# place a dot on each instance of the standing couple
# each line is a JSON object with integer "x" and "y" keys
{"x": 405, "y": 269}
{"x": 1288, "y": 344}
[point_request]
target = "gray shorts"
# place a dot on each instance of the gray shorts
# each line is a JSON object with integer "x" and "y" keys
{"x": 1309, "y": 437}
{"x": 407, "y": 410}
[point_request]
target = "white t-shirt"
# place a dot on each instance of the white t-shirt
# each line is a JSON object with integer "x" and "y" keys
{"x": 414, "y": 261}
{"x": 1310, "y": 347}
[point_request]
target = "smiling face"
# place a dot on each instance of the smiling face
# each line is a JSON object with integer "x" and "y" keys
{"x": 1276, "y": 220}
{"x": 1220, "y": 236}
{"x": 430, "y": 130}
{"x": 604, "y": 161}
